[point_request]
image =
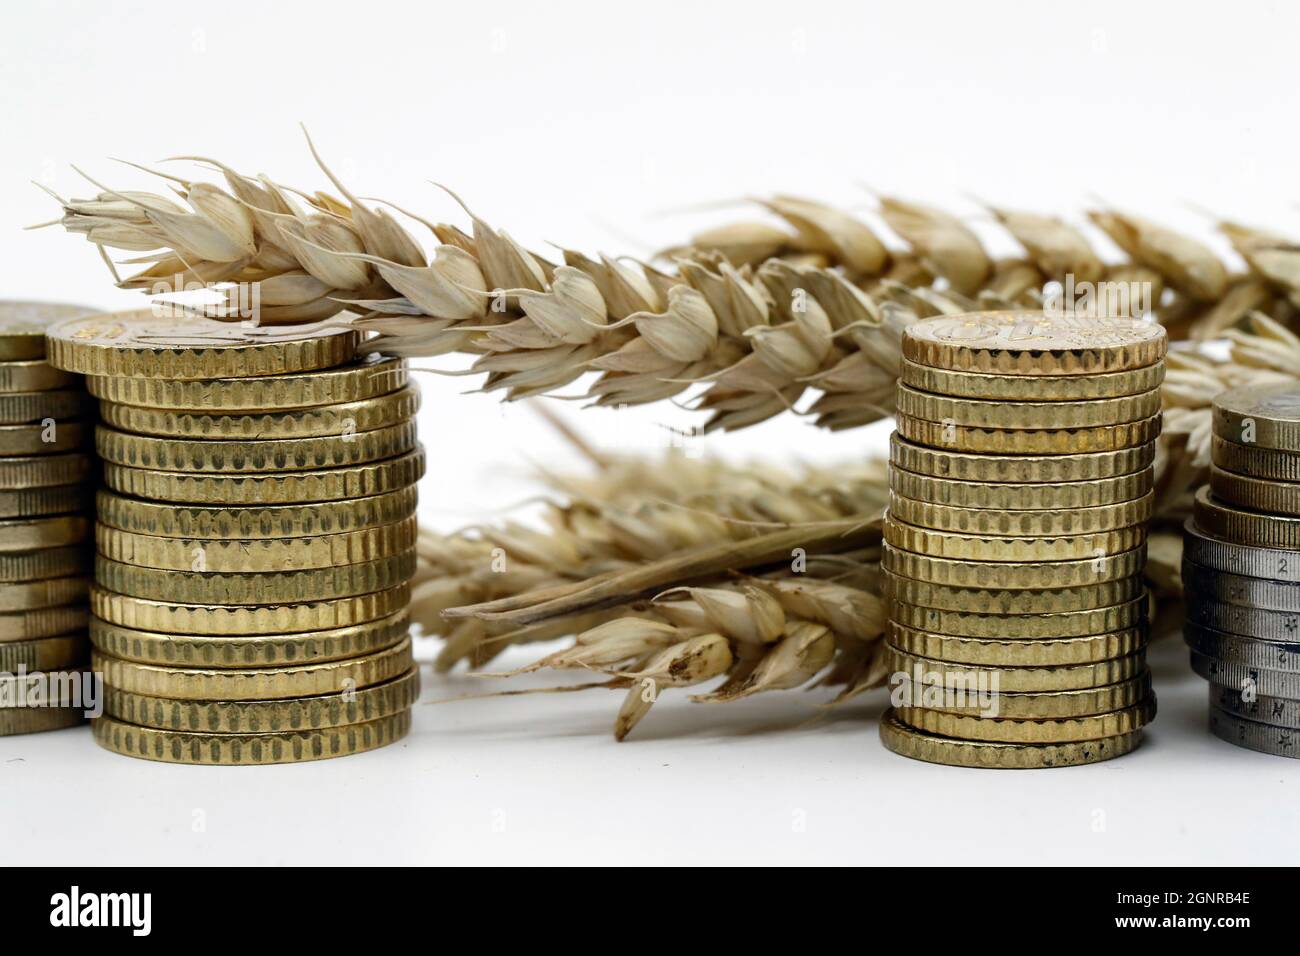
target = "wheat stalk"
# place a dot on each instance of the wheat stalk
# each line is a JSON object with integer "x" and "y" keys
{"x": 674, "y": 573}
{"x": 635, "y": 514}
{"x": 758, "y": 314}
{"x": 753, "y": 315}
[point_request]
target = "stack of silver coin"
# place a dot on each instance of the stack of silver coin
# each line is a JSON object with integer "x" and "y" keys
{"x": 1241, "y": 570}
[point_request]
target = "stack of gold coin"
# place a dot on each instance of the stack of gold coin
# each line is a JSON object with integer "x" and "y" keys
{"x": 256, "y": 537}
{"x": 44, "y": 556}
{"x": 1015, "y": 539}
{"x": 1241, "y": 570}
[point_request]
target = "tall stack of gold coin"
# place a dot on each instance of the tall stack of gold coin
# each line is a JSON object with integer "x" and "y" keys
{"x": 255, "y": 538}
{"x": 44, "y": 558}
{"x": 1241, "y": 570}
{"x": 1015, "y": 540}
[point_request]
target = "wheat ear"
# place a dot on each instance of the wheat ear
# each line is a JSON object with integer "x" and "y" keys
{"x": 755, "y": 317}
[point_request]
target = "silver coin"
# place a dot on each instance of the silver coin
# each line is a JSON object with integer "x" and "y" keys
{"x": 1209, "y": 552}
{"x": 1244, "y": 621}
{"x": 1279, "y": 741}
{"x": 1251, "y": 651}
{"x": 1246, "y": 678}
{"x": 1239, "y": 589}
{"x": 1277, "y": 711}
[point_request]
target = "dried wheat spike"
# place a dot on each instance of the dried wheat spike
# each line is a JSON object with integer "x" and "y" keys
{"x": 631, "y": 515}
{"x": 671, "y": 574}
{"x": 752, "y": 316}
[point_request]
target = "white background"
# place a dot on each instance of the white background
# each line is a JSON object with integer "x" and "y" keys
{"x": 606, "y": 127}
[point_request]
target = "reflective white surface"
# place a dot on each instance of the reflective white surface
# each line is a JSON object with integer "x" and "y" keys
{"x": 541, "y": 780}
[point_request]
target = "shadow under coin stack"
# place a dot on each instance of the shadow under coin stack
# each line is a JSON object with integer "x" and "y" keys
{"x": 256, "y": 539}
{"x": 1015, "y": 540}
{"x": 44, "y": 555}
{"x": 1241, "y": 570}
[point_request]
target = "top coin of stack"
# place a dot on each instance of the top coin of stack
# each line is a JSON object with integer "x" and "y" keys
{"x": 256, "y": 538}
{"x": 1241, "y": 570}
{"x": 44, "y": 562}
{"x": 1020, "y": 487}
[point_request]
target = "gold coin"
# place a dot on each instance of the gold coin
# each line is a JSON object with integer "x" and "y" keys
{"x": 1053, "y": 704}
{"x": 1019, "y": 469}
{"x": 1034, "y": 343}
{"x": 1011, "y": 679}
{"x": 43, "y": 471}
{"x": 34, "y": 376}
{"x": 255, "y": 683}
{"x": 1028, "y": 441}
{"x": 26, "y": 534}
{"x": 996, "y": 549}
{"x": 1216, "y": 517}
{"x": 1064, "y": 624}
{"x": 1276, "y": 498}
{"x": 1013, "y": 575}
{"x": 256, "y": 555}
{"x": 1023, "y": 524}
{"x": 358, "y": 380}
{"x": 43, "y": 622}
{"x": 1009, "y": 496}
{"x": 286, "y": 521}
{"x": 260, "y": 650}
{"x": 249, "y": 749}
{"x": 44, "y": 653}
{"x": 140, "y": 344}
{"x": 266, "y": 716}
{"x": 1053, "y": 730}
{"x": 1031, "y": 388}
{"x": 270, "y": 454}
{"x": 917, "y": 744}
{"x": 47, "y": 439}
{"x": 24, "y": 408}
{"x": 321, "y": 421}
{"x": 1017, "y": 416}
{"x": 271, "y": 587}
{"x": 1253, "y": 462}
{"x": 35, "y": 720}
{"x": 1011, "y": 652}
{"x": 42, "y": 502}
{"x": 23, "y": 326}
{"x": 244, "y": 621}
{"x": 1260, "y": 416}
{"x": 359, "y": 481}
{"x": 1011, "y": 601}
{"x": 51, "y": 592}
{"x": 44, "y": 563}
